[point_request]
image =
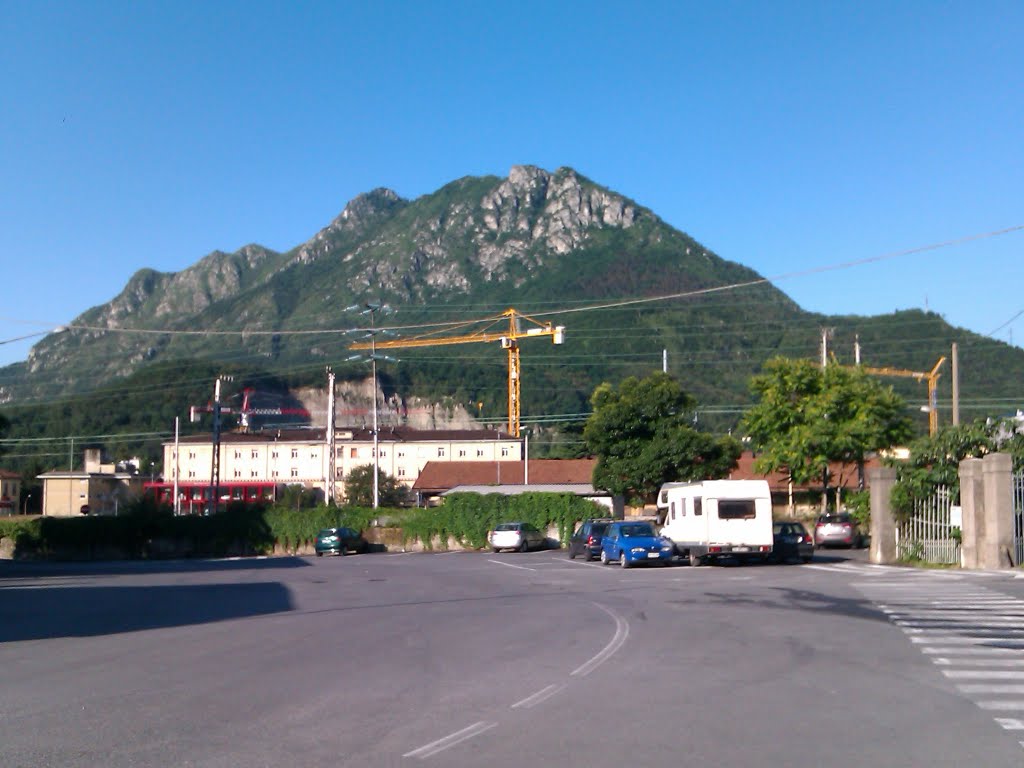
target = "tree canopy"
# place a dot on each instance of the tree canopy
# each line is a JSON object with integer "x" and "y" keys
{"x": 642, "y": 436}
{"x": 808, "y": 417}
{"x": 359, "y": 488}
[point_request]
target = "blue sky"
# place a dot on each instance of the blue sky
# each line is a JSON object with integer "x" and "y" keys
{"x": 784, "y": 136}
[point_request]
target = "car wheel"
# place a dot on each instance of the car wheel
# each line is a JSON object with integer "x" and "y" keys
{"x": 496, "y": 550}
{"x": 604, "y": 557}
{"x": 342, "y": 551}
{"x": 525, "y": 546}
{"x": 588, "y": 555}
{"x": 806, "y": 559}
{"x": 623, "y": 562}
{"x": 319, "y": 554}
{"x": 572, "y": 553}
{"x": 695, "y": 560}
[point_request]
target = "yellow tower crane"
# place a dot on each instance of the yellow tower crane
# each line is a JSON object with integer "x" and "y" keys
{"x": 519, "y": 326}
{"x": 932, "y": 377}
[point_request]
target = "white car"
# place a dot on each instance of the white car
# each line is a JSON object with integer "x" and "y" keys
{"x": 518, "y": 536}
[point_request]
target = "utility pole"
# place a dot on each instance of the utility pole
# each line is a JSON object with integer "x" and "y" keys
{"x": 664, "y": 361}
{"x": 177, "y": 501}
{"x": 956, "y": 385}
{"x": 856, "y": 349}
{"x": 329, "y": 485}
{"x": 825, "y": 333}
{"x": 215, "y": 459}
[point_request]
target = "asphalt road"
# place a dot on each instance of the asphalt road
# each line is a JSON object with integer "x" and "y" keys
{"x": 473, "y": 659}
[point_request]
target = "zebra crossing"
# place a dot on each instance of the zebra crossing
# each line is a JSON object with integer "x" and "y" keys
{"x": 973, "y": 634}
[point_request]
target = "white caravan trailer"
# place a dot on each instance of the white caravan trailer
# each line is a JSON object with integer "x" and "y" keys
{"x": 718, "y": 518}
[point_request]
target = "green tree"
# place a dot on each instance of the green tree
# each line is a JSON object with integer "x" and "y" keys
{"x": 808, "y": 417}
{"x": 359, "y": 488}
{"x": 642, "y": 436}
{"x": 4, "y": 426}
{"x": 935, "y": 461}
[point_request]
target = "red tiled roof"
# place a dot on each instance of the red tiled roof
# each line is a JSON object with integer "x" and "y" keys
{"x": 6, "y": 474}
{"x": 842, "y": 474}
{"x": 444, "y": 475}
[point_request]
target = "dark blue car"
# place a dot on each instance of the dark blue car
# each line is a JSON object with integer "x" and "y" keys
{"x": 632, "y": 543}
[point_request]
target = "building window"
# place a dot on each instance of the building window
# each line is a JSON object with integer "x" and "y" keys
{"x": 295, "y": 453}
{"x": 255, "y": 453}
{"x": 401, "y": 471}
{"x": 191, "y": 473}
{"x": 479, "y": 451}
{"x": 339, "y": 452}
{"x": 383, "y": 453}
{"x": 273, "y": 454}
{"x": 254, "y": 473}
{"x": 295, "y": 472}
{"x": 238, "y": 473}
{"x": 274, "y": 473}
{"x": 353, "y": 453}
{"x": 462, "y": 452}
{"x": 440, "y": 452}
{"x": 238, "y": 454}
{"x": 401, "y": 454}
{"x": 191, "y": 454}
{"x": 504, "y": 451}
{"x": 339, "y": 473}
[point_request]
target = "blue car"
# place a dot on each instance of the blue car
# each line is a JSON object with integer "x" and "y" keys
{"x": 633, "y": 543}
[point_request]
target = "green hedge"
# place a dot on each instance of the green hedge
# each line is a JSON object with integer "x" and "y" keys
{"x": 465, "y": 517}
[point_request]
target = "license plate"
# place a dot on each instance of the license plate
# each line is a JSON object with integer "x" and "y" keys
{"x": 741, "y": 549}
{"x": 652, "y": 554}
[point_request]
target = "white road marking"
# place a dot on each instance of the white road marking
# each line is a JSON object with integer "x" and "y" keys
{"x": 995, "y": 689}
{"x": 1011, "y": 724}
{"x": 982, "y": 674}
{"x": 1006, "y": 706}
{"x": 511, "y": 565}
{"x": 975, "y": 651}
{"x": 976, "y": 662}
{"x": 542, "y": 695}
{"x": 450, "y": 741}
{"x": 621, "y": 633}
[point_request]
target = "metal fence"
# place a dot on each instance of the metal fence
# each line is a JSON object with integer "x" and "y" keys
{"x": 1018, "y": 518}
{"x": 927, "y": 534}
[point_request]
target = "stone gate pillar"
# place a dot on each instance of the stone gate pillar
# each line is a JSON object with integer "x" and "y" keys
{"x": 972, "y": 504}
{"x": 997, "y": 476}
{"x": 883, "y": 525}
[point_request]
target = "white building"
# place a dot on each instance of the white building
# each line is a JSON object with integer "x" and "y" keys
{"x": 302, "y": 456}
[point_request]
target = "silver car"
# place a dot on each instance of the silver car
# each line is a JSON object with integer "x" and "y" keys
{"x": 517, "y": 536}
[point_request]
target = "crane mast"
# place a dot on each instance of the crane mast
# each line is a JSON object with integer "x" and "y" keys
{"x": 516, "y": 326}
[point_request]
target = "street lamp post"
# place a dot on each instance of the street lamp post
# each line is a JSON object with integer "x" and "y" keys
{"x": 24, "y": 509}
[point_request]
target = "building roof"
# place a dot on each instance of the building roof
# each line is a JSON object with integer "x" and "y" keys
{"x": 579, "y": 489}
{"x": 6, "y": 474}
{"x": 350, "y": 434}
{"x": 440, "y": 476}
{"x": 844, "y": 475}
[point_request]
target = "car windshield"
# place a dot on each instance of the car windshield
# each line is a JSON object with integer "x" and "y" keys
{"x": 779, "y": 528}
{"x": 326, "y": 532}
{"x": 598, "y": 529}
{"x": 508, "y": 527}
{"x": 637, "y": 529}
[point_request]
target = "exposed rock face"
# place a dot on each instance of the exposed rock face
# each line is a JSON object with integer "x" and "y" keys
{"x": 441, "y": 246}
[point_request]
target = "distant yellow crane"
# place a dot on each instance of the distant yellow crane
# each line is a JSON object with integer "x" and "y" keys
{"x": 519, "y": 326}
{"x": 932, "y": 377}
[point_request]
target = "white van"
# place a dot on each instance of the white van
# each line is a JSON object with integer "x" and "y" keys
{"x": 718, "y": 518}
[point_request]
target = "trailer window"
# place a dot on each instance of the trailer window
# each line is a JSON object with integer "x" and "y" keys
{"x": 736, "y": 509}
{"x": 697, "y": 509}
